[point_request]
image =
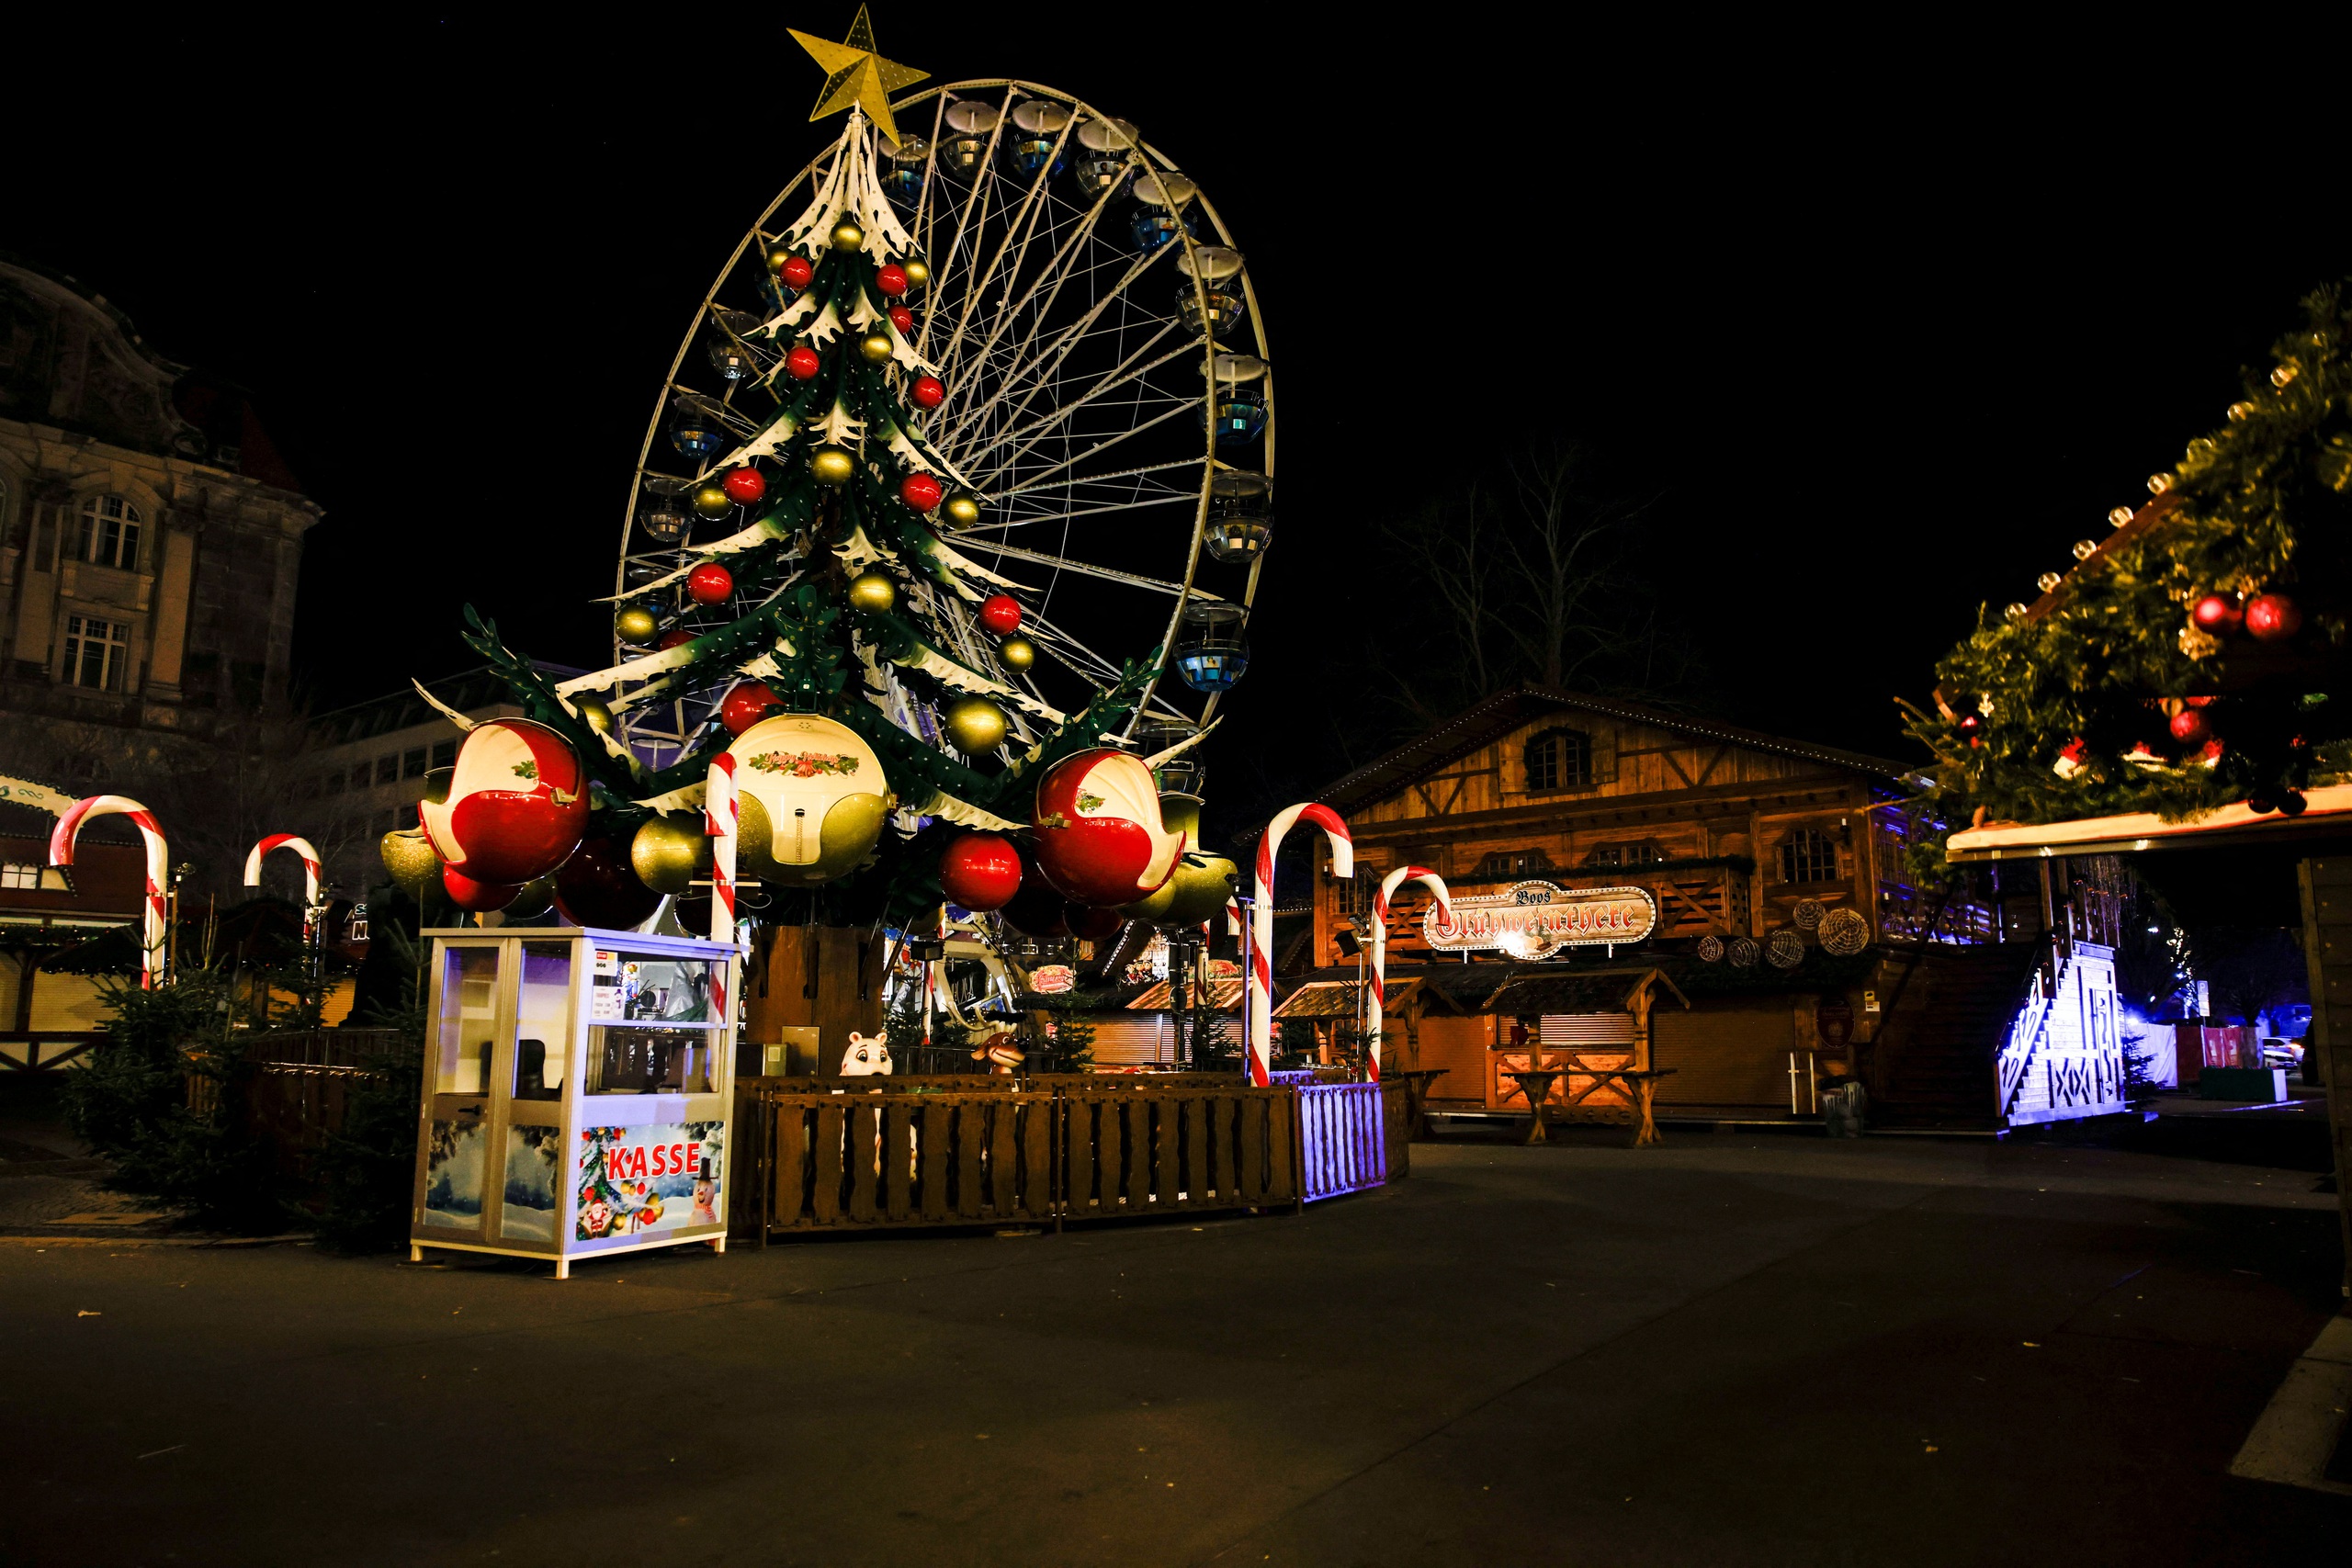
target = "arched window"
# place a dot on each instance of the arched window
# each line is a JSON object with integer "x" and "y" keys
{"x": 109, "y": 534}
{"x": 1559, "y": 759}
{"x": 1807, "y": 855}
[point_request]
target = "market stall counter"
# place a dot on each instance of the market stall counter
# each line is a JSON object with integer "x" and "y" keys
{"x": 578, "y": 1087}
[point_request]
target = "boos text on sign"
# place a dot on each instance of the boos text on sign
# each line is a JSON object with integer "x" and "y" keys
{"x": 1535, "y": 919}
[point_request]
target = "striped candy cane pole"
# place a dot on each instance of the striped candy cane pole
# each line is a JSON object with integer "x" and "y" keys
{"x": 1388, "y": 886}
{"x": 1261, "y": 921}
{"x": 309, "y": 876}
{"x": 61, "y": 852}
{"x": 719, "y": 817}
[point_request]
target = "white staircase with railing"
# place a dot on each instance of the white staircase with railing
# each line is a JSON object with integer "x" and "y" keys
{"x": 2064, "y": 1057}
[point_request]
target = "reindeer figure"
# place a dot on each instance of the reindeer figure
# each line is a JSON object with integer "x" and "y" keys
{"x": 1000, "y": 1053}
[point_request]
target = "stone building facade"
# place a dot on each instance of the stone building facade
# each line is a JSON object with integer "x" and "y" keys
{"x": 151, "y": 539}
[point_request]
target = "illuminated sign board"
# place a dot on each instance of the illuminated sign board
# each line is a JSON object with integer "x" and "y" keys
{"x": 1536, "y": 920}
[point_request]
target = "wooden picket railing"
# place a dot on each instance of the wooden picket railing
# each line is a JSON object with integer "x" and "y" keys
{"x": 879, "y": 1152}
{"x": 1343, "y": 1137}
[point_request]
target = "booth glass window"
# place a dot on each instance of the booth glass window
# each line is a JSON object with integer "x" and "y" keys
{"x": 1808, "y": 856}
{"x": 543, "y": 1021}
{"x": 468, "y": 1020}
{"x": 632, "y": 987}
{"x": 649, "y": 1061}
{"x": 1559, "y": 759}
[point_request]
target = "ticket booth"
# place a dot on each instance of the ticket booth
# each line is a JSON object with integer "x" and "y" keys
{"x": 578, "y": 1084}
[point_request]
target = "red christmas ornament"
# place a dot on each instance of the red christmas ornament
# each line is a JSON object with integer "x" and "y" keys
{"x": 2218, "y": 613}
{"x": 929, "y": 392}
{"x": 1098, "y": 836}
{"x": 709, "y": 583}
{"x": 802, "y": 362}
{"x": 902, "y": 318}
{"x": 1036, "y": 909}
{"x": 920, "y": 491}
{"x": 1090, "y": 924}
{"x": 676, "y": 637}
{"x": 979, "y": 871}
{"x": 745, "y": 486}
{"x": 746, "y": 706}
{"x": 1002, "y": 614}
{"x": 478, "y": 898}
{"x": 796, "y": 272}
{"x": 1972, "y": 727}
{"x": 891, "y": 279}
{"x": 2190, "y": 729}
{"x": 596, "y": 887}
{"x": 2273, "y": 618}
{"x": 517, "y": 807}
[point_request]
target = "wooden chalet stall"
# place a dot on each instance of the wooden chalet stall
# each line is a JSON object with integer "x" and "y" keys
{"x": 50, "y": 1016}
{"x": 1773, "y": 867}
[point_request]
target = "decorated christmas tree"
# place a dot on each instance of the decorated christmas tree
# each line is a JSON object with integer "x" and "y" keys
{"x": 2195, "y": 657}
{"x": 864, "y": 683}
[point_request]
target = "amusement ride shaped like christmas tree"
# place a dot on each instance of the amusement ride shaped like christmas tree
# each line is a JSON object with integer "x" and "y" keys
{"x": 884, "y": 761}
{"x": 2197, "y": 657}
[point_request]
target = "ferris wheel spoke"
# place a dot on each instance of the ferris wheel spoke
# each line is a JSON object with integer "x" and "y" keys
{"x": 1102, "y": 446}
{"x": 1022, "y": 226}
{"x": 1088, "y": 568}
{"x": 1056, "y": 272}
{"x": 1033, "y": 519}
{"x": 1039, "y": 371}
{"x": 976, "y": 199}
{"x": 1097, "y": 479}
{"x": 1029, "y": 436}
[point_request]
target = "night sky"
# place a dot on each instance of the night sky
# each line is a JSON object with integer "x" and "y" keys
{"x": 1881, "y": 337}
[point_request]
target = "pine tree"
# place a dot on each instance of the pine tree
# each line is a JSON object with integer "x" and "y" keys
{"x": 840, "y": 594}
{"x": 2197, "y": 658}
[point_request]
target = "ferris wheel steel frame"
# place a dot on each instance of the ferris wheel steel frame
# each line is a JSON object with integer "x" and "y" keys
{"x": 1032, "y": 372}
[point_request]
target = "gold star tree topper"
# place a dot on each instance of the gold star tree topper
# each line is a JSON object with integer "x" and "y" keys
{"x": 855, "y": 75}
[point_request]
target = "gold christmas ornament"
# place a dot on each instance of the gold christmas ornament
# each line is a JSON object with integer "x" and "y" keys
{"x": 532, "y": 905}
{"x": 411, "y": 861}
{"x": 2240, "y": 412}
{"x": 2119, "y": 518}
{"x": 832, "y": 466}
{"x": 596, "y": 716}
{"x": 2085, "y": 549}
{"x": 1017, "y": 652}
{"x": 810, "y": 797}
{"x": 669, "y": 853}
{"x": 2159, "y": 484}
{"x": 2281, "y": 377}
{"x": 975, "y": 724}
{"x": 848, "y": 236}
{"x": 2048, "y": 581}
{"x": 918, "y": 271}
{"x": 2014, "y": 612}
{"x": 777, "y": 257}
{"x": 962, "y": 509}
{"x": 876, "y": 347}
{"x": 2199, "y": 643}
{"x": 855, "y": 73}
{"x": 712, "y": 501}
{"x": 872, "y": 591}
{"x": 636, "y": 625}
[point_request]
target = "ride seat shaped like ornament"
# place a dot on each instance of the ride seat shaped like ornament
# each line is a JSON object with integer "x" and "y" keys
{"x": 1236, "y": 405}
{"x": 1037, "y": 125}
{"x": 964, "y": 146}
{"x": 1212, "y": 650}
{"x": 810, "y": 799}
{"x": 1160, "y": 203}
{"x": 1241, "y": 515}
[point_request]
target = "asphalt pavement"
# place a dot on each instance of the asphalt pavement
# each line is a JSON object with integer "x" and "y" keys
{"x": 1734, "y": 1349}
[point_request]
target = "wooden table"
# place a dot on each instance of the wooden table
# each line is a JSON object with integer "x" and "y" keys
{"x": 1535, "y": 1083}
{"x": 1640, "y": 1086}
{"x": 1416, "y": 1093}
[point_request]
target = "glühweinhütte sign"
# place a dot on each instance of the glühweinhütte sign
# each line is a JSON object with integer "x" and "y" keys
{"x": 1535, "y": 919}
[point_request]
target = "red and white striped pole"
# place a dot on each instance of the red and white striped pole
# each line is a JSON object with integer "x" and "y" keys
{"x": 1261, "y": 921}
{"x": 159, "y": 862}
{"x": 1388, "y": 886}
{"x": 720, "y": 815}
{"x": 309, "y": 876}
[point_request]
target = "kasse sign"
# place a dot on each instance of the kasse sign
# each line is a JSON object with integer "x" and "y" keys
{"x": 1536, "y": 920}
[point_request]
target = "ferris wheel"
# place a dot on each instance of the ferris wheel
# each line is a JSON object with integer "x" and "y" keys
{"x": 1106, "y": 393}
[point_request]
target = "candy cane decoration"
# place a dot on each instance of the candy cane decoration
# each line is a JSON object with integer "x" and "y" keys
{"x": 61, "y": 852}
{"x": 1262, "y": 921}
{"x": 720, "y": 819}
{"x": 1388, "y": 886}
{"x": 309, "y": 876}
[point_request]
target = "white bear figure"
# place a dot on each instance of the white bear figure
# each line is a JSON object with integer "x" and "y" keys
{"x": 867, "y": 1056}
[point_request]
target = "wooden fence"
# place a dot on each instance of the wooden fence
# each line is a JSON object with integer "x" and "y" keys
{"x": 877, "y": 1153}
{"x": 1344, "y": 1136}
{"x": 294, "y": 1089}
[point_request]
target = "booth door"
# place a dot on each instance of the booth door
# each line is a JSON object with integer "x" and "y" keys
{"x": 468, "y": 1003}
{"x": 530, "y": 1148}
